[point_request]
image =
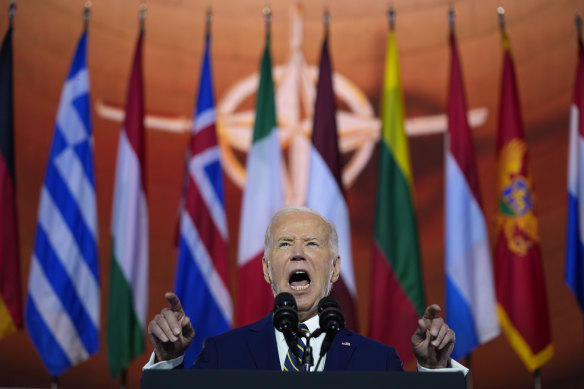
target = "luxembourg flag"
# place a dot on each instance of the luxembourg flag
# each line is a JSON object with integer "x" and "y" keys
{"x": 574, "y": 276}
{"x": 202, "y": 276}
{"x": 470, "y": 293}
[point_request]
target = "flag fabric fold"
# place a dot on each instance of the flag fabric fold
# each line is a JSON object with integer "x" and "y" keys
{"x": 325, "y": 189}
{"x": 202, "y": 275}
{"x": 574, "y": 272}
{"x": 397, "y": 295}
{"x": 128, "y": 291}
{"x": 519, "y": 277}
{"x": 262, "y": 197}
{"x": 62, "y": 310}
{"x": 470, "y": 291}
{"x": 10, "y": 289}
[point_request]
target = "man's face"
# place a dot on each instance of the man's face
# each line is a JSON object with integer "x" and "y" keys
{"x": 300, "y": 260}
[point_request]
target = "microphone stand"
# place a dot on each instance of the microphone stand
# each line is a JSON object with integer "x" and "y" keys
{"x": 307, "y": 359}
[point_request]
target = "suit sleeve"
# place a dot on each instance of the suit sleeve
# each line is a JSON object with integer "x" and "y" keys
{"x": 208, "y": 358}
{"x": 394, "y": 362}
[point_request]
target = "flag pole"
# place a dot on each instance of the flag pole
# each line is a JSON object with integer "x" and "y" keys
{"x": 268, "y": 17}
{"x": 501, "y": 12}
{"x": 208, "y": 20}
{"x": 579, "y": 26}
{"x": 11, "y": 12}
{"x": 142, "y": 17}
{"x": 54, "y": 382}
{"x": 326, "y": 18}
{"x": 391, "y": 18}
{"x": 86, "y": 12}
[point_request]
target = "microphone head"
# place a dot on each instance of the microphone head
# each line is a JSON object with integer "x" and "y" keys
{"x": 285, "y": 313}
{"x": 331, "y": 319}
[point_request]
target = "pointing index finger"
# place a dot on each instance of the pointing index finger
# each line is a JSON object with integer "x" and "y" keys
{"x": 174, "y": 302}
{"x": 432, "y": 311}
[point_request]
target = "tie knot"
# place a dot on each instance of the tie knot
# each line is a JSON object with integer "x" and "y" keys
{"x": 302, "y": 330}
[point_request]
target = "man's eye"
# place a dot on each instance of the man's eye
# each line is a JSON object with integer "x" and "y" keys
{"x": 284, "y": 244}
{"x": 315, "y": 244}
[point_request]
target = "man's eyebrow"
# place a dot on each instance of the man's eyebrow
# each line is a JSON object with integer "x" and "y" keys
{"x": 284, "y": 238}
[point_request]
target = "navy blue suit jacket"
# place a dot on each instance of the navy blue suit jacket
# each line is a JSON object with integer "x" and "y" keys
{"x": 254, "y": 347}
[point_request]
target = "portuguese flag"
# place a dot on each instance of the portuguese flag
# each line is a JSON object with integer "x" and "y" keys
{"x": 397, "y": 296}
{"x": 519, "y": 278}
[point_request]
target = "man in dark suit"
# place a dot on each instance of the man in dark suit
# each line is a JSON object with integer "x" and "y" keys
{"x": 301, "y": 258}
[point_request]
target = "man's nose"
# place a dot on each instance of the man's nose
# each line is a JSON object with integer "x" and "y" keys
{"x": 298, "y": 252}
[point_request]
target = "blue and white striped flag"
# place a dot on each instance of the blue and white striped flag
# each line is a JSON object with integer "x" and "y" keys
{"x": 202, "y": 276}
{"x": 62, "y": 310}
{"x": 470, "y": 292}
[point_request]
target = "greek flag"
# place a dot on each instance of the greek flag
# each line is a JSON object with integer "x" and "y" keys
{"x": 62, "y": 309}
{"x": 202, "y": 277}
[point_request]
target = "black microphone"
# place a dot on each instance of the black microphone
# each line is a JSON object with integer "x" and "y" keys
{"x": 286, "y": 318}
{"x": 331, "y": 321}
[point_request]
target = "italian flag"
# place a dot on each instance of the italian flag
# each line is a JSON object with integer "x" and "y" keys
{"x": 262, "y": 197}
{"x": 128, "y": 297}
{"x": 397, "y": 296}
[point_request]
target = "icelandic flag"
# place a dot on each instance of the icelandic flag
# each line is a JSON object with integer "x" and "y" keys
{"x": 202, "y": 276}
{"x": 470, "y": 292}
{"x": 575, "y": 237}
{"x": 62, "y": 310}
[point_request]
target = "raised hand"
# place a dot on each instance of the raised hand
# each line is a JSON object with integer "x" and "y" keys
{"x": 171, "y": 331}
{"x": 433, "y": 340}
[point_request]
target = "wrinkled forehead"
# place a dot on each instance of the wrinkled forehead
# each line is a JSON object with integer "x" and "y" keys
{"x": 300, "y": 225}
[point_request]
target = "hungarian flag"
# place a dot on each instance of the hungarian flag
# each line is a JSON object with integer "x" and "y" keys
{"x": 575, "y": 240}
{"x": 325, "y": 188}
{"x": 397, "y": 295}
{"x": 10, "y": 298}
{"x": 262, "y": 197}
{"x": 202, "y": 274}
{"x": 519, "y": 278}
{"x": 470, "y": 290}
{"x": 128, "y": 294}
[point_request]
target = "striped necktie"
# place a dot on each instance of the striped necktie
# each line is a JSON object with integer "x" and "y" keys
{"x": 292, "y": 363}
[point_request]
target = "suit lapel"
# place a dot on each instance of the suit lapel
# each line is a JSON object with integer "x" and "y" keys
{"x": 339, "y": 355}
{"x": 262, "y": 344}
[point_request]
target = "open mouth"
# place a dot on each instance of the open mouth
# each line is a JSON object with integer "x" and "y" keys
{"x": 299, "y": 280}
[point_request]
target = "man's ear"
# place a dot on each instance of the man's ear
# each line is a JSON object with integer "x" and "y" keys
{"x": 266, "y": 268}
{"x": 336, "y": 268}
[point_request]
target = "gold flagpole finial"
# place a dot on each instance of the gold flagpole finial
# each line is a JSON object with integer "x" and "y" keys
{"x": 391, "y": 18}
{"x": 86, "y": 12}
{"x": 142, "y": 16}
